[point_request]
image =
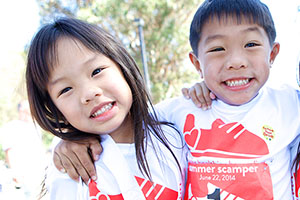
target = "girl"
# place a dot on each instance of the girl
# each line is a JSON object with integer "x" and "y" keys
{"x": 82, "y": 83}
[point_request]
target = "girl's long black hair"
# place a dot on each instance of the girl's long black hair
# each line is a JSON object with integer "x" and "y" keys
{"x": 41, "y": 59}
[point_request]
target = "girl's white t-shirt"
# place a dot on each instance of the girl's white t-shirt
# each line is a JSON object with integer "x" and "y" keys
{"x": 120, "y": 178}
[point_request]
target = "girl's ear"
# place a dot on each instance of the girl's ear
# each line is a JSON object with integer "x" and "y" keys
{"x": 274, "y": 52}
{"x": 196, "y": 63}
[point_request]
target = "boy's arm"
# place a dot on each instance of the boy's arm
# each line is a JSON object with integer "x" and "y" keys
{"x": 200, "y": 95}
{"x": 76, "y": 158}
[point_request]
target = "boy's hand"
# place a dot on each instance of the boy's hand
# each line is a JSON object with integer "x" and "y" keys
{"x": 76, "y": 158}
{"x": 200, "y": 95}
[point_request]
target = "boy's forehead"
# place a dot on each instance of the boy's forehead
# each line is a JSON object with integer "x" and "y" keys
{"x": 229, "y": 18}
{"x": 216, "y": 30}
{"x": 226, "y": 20}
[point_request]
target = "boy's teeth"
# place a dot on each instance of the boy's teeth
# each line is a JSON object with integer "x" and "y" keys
{"x": 237, "y": 82}
{"x": 102, "y": 110}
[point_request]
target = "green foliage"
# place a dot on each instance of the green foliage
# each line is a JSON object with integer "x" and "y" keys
{"x": 2, "y": 154}
{"x": 166, "y": 29}
{"x": 47, "y": 139}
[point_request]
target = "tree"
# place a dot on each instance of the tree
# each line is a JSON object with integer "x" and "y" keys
{"x": 166, "y": 30}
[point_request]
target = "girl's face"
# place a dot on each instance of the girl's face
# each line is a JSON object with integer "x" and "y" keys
{"x": 90, "y": 91}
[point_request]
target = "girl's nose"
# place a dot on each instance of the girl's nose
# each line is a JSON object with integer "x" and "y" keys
{"x": 90, "y": 94}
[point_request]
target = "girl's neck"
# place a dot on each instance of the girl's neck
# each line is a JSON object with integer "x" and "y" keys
{"x": 125, "y": 133}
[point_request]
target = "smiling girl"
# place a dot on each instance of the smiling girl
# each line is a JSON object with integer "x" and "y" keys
{"x": 82, "y": 83}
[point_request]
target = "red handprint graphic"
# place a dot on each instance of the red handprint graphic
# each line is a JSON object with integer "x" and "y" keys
{"x": 151, "y": 191}
{"x": 213, "y": 180}
{"x": 223, "y": 140}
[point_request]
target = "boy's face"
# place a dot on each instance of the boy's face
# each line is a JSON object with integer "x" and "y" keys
{"x": 234, "y": 59}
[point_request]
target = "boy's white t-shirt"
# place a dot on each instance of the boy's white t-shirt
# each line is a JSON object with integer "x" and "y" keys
{"x": 239, "y": 152}
{"x": 120, "y": 178}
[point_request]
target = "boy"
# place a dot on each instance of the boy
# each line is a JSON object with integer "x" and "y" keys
{"x": 240, "y": 148}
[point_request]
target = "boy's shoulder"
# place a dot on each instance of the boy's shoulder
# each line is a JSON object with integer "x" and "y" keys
{"x": 283, "y": 92}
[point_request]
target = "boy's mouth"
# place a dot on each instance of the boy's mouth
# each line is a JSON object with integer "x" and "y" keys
{"x": 237, "y": 82}
{"x": 102, "y": 110}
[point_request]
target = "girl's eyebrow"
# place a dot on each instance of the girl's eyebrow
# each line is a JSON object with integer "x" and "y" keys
{"x": 89, "y": 60}
{"x": 53, "y": 82}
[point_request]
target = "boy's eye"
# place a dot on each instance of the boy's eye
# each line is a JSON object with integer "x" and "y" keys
{"x": 251, "y": 44}
{"x": 96, "y": 71}
{"x": 65, "y": 90}
{"x": 217, "y": 49}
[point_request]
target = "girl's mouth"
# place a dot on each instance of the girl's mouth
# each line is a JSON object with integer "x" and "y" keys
{"x": 102, "y": 110}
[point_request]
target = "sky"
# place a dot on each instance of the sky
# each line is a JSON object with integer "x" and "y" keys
{"x": 19, "y": 21}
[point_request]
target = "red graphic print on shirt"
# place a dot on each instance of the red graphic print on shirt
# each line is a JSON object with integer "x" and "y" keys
{"x": 150, "y": 191}
{"x": 296, "y": 183}
{"x": 214, "y": 180}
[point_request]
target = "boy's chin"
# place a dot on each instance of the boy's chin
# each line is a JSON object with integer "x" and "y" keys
{"x": 237, "y": 101}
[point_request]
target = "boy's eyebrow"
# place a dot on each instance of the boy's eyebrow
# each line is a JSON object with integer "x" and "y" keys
{"x": 213, "y": 37}
{"x": 219, "y": 36}
{"x": 252, "y": 29}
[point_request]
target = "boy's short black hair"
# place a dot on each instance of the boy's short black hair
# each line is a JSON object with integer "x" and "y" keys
{"x": 252, "y": 10}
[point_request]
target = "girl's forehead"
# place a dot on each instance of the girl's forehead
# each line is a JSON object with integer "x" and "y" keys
{"x": 67, "y": 48}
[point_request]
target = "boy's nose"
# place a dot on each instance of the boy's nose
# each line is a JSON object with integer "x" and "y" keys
{"x": 236, "y": 61}
{"x": 90, "y": 94}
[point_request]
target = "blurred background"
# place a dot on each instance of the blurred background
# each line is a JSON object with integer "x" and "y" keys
{"x": 162, "y": 31}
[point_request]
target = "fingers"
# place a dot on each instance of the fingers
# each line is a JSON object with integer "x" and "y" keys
{"x": 67, "y": 166}
{"x": 96, "y": 149}
{"x": 84, "y": 164}
{"x": 75, "y": 159}
{"x": 57, "y": 163}
{"x": 195, "y": 92}
{"x": 212, "y": 96}
{"x": 200, "y": 95}
{"x": 205, "y": 98}
{"x": 185, "y": 93}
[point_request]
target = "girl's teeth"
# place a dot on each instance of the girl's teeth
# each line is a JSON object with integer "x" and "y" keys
{"x": 102, "y": 110}
{"x": 237, "y": 82}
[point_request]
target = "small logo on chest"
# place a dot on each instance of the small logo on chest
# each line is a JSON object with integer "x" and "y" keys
{"x": 268, "y": 132}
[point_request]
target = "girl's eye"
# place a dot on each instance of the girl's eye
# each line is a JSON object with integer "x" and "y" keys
{"x": 65, "y": 90}
{"x": 217, "y": 49}
{"x": 251, "y": 44}
{"x": 96, "y": 71}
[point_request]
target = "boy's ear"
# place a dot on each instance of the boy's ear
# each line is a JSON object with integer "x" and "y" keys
{"x": 196, "y": 63}
{"x": 274, "y": 52}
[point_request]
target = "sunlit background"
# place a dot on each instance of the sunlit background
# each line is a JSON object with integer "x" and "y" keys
{"x": 19, "y": 20}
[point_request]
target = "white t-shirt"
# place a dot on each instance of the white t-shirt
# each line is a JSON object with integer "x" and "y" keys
{"x": 240, "y": 152}
{"x": 120, "y": 178}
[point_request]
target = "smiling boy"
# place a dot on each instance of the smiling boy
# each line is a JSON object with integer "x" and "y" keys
{"x": 247, "y": 134}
